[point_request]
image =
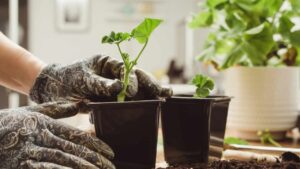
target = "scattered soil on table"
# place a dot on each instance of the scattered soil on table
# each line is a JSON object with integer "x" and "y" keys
{"x": 240, "y": 165}
{"x": 288, "y": 161}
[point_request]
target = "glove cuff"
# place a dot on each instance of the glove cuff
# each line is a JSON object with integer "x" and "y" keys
{"x": 38, "y": 93}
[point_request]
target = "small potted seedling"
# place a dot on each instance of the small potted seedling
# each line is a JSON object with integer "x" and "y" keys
{"x": 186, "y": 123}
{"x": 129, "y": 127}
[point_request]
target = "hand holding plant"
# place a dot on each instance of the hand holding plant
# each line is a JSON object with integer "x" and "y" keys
{"x": 142, "y": 34}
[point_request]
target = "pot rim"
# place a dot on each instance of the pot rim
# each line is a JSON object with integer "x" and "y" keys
{"x": 125, "y": 102}
{"x": 216, "y": 98}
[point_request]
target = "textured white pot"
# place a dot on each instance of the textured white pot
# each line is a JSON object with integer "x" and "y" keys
{"x": 264, "y": 98}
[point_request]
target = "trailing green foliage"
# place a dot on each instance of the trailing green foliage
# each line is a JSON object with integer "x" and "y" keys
{"x": 266, "y": 137}
{"x": 235, "y": 140}
{"x": 203, "y": 84}
{"x": 142, "y": 34}
{"x": 244, "y": 32}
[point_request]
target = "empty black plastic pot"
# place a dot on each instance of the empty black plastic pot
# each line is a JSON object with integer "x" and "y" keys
{"x": 130, "y": 129}
{"x": 219, "y": 115}
{"x": 218, "y": 120}
{"x": 186, "y": 127}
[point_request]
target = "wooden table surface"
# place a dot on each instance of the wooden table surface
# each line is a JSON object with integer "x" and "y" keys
{"x": 285, "y": 143}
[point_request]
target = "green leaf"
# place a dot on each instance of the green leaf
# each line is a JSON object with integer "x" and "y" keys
{"x": 209, "y": 84}
{"x": 268, "y": 8}
{"x": 203, "y": 85}
{"x": 295, "y": 4}
{"x": 261, "y": 8}
{"x": 202, "y": 19}
{"x": 233, "y": 57}
{"x": 236, "y": 22}
{"x": 115, "y": 38}
{"x": 224, "y": 45}
{"x": 245, "y": 4}
{"x": 215, "y": 3}
{"x": 295, "y": 38}
{"x": 143, "y": 31}
{"x": 201, "y": 92}
{"x": 235, "y": 140}
{"x": 257, "y": 43}
{"x": 285, "y": 26}
{"x": 256, "y": 30}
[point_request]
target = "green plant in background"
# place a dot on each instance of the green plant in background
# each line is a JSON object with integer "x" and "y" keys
{"x": 249, "y": 32}
{"x": 266, "y": 137}
{"x": 235, "y": 140}
{"x": 142, "y": 34}
{"x": 203, "y": 84}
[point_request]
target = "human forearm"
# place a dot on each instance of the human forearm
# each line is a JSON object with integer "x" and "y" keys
{"x": 18, "y": 67}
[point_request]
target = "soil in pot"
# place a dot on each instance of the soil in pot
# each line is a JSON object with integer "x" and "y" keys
{"x": 185, "y": 128}
{"x": 130, "y": 129}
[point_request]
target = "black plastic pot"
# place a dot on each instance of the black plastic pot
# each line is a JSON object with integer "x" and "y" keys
{"x": 130, "y": 129}
{"x": 218, "y": 120}
{"x": 219, "y": 115}
{"x": 186, "y": 127}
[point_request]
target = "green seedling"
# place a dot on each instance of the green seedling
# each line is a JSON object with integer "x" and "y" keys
{"x": 141, "y": 34}
{"x": 204, "y": 85}
{"x": 235, "y": 140}
{"x": 266, "y": 137}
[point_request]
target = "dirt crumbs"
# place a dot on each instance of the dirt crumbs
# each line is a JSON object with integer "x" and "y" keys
{"x": 241, "y": 165}
{"x": 287, "y": 161}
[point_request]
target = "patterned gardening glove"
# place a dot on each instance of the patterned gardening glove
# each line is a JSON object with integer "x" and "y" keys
{"x": 96, "y": 78}
{"x": 29, "y": 139}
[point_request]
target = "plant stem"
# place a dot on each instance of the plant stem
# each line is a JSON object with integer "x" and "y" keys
{"x": 273, "y": 142}
{"x": 134, "y": 62}
{"x": 119, "y": 48}
{"x": 122, "y": 94}
{"x": 127, "y": 69}
{"x": 125, "y": 81}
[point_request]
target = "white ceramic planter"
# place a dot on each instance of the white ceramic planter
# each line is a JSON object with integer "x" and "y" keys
{"x": 264, "y": 98}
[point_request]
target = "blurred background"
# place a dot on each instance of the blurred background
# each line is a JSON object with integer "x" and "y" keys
{"x": 63, "y": 31}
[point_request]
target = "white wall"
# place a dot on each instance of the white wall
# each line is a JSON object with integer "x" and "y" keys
{"x": 54, "y": 46}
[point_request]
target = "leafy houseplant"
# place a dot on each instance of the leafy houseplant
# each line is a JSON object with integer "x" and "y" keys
{"x": 249, "y": 32}
{"x": 256, "y": 41}
{"x": 188, "y": 121}
{"x": 129, "y": 127}
{"x": 142, "y": 34}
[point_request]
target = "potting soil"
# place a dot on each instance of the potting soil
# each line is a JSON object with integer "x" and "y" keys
{"x": 288, "y": 161}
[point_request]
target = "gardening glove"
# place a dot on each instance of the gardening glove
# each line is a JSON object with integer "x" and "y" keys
{"x": 96, "y": 78}
{"x": 29, "y": 139}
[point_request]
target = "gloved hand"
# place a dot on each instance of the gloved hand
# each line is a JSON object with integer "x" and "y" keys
{"x": 29, "y": 139}
{"x": 95, "y": 78}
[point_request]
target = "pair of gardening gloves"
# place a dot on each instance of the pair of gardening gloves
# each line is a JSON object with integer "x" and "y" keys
{"x": 31, "y": 138}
